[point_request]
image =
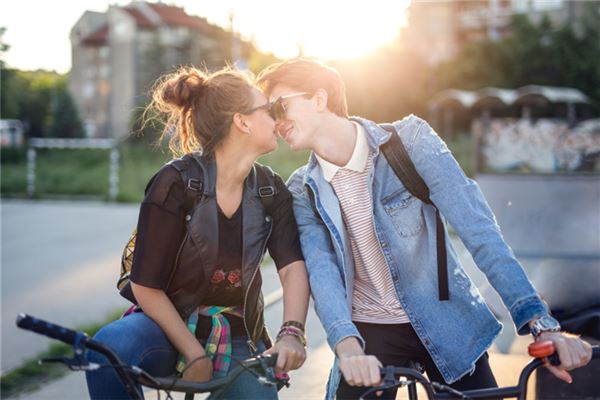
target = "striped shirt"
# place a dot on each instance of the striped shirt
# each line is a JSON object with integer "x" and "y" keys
{"x": 374, "y": 297}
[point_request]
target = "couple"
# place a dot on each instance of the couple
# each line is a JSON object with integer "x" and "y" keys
{"x": 345, "y": 227}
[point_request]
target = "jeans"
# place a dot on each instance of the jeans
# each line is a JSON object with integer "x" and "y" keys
{"x": 138, "y": 340}
{"x": 399, "y": 345}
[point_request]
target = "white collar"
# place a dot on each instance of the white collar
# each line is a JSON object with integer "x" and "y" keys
{"x": 358, "y": 160}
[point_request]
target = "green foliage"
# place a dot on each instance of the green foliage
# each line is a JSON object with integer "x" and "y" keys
{"x": 533, "y": 54}
{"x": 65, "y": 121}
{"x": 31, "y": 375}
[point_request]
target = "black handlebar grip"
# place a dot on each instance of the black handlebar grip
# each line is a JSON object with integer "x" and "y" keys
{"x": 51, "y": 330}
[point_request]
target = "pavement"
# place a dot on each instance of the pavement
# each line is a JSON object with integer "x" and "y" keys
{"x": 60, "y": 261}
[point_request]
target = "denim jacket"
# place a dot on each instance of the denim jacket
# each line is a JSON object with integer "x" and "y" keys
{"x": 454, "y": 332}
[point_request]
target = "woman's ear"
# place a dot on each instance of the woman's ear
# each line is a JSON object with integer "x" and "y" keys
{"x": 320, "y": 97}
{"x": 240, "y": 123}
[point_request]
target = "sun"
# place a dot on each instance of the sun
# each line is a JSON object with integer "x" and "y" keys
{"x": 326, "y": 29}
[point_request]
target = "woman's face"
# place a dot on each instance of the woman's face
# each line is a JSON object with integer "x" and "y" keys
{"x": 261, "y": 126}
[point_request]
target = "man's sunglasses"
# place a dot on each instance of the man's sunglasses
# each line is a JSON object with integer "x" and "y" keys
{"x": 277, "y": 108}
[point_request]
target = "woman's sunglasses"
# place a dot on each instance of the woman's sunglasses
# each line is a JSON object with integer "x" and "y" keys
{"x": 277, "y": 108}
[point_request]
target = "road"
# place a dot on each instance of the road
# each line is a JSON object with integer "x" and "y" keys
{"x": 60, "y": 261}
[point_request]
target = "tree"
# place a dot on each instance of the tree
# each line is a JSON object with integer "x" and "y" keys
{"x": 65, "y": 121}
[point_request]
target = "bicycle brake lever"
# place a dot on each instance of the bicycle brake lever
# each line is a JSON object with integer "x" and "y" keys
{"x": 74, "y": 364}
{"x": 270, "y": 378}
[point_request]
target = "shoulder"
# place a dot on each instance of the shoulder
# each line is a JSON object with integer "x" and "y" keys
{"x": 164, "y": 184}
{"x": 412, "y": 130}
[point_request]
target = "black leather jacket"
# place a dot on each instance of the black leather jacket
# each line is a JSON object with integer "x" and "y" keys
{"x": 197, "y": 255}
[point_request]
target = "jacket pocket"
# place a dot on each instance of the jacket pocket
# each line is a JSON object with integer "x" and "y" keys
{"x": 405, "y": 211}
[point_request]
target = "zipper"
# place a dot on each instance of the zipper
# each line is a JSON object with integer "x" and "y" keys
{"x": 250, "y": 342}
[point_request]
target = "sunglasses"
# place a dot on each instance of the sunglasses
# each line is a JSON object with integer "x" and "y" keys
{"x": 277, "y": 108}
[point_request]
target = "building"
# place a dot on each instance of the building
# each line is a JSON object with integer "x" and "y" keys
{"x": 437, "y": 30}
{"x": 117, "y": 55}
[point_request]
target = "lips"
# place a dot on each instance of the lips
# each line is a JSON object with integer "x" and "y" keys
{"x": 285, "y": 131}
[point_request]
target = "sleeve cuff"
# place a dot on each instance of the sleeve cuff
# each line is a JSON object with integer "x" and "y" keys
{"x": 340, "y": 331}
{"x": 525, "y": 310}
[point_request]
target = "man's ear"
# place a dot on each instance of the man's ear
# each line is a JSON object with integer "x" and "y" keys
{"x": 320, "y": 97}
{"x": 240, "y": 123}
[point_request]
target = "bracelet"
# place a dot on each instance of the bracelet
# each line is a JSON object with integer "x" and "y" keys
{"x": 296, "y": 324}
{"x": 292, "y": 332}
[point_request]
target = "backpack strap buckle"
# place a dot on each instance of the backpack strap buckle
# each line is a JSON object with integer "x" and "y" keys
{"x": 194, "y": 184}
{"x": 266, "y": 191}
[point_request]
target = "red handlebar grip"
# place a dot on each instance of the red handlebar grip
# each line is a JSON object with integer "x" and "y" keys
{"x": 541, "y": 349}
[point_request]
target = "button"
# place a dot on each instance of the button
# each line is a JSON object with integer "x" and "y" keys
{"x": 268, "y": 218}
{"x": 188, "y": 217}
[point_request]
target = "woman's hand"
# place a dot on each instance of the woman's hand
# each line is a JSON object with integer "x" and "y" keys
{"x": 291, "y": 353}
{"x": 199, "y": 370}
{"x": 572, "y": 351}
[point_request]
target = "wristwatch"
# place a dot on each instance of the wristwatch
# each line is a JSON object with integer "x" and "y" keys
{"x": 544, "y": 324}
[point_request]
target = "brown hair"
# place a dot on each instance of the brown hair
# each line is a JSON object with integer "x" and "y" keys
{"x": 199, "y": 107}
{"x": 307, "y": 76}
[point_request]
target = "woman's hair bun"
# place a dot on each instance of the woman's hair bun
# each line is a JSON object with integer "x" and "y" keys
{"x": 182, "y": 88}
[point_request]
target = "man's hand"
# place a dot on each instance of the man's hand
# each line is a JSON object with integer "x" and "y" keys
{"x": 358, "y": 368}
{"x": 291, "y": 353}
{"x": 572, "y": 351}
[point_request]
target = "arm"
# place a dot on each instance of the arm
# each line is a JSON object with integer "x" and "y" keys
{"x": 160, "y": 231}
{"x": 324, "y": 274}
{"x": 328, "y": 292}
{"x": 159, "y": 308}
{"x": 462, "y": 203}
{"x": 294, "y": 281}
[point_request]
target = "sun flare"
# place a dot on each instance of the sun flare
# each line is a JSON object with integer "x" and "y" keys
{"x": 326, "y": 29}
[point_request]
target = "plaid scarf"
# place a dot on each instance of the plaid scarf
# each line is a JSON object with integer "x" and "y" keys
{"x": 219, "y": 340}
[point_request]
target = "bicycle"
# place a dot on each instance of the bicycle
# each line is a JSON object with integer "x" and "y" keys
{"x": 437, "y": 391}
{"x": 132, "y": 376}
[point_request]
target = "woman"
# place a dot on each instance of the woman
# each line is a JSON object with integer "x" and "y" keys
{"x": 209, "y": 257}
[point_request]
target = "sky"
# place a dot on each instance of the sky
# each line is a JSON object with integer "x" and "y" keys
{"x": 38, "y": 30}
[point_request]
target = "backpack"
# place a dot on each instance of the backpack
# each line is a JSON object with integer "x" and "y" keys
{"x": 398, "y": 158}
{"x": 191, "y": 172}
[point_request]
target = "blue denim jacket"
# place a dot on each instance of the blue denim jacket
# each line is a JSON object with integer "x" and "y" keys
{"x": 455, "y": 332}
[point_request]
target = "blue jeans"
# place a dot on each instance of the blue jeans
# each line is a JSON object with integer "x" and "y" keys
{"x": 138, "y": 340}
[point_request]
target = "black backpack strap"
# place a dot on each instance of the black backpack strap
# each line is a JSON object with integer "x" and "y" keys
{"x": 398, "y": 158}
{"x": 193, "y": 179}
{"x": 266, "y": 188}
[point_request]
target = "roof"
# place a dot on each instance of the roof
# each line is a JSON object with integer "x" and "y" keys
{"x": 462, "y": 97}
{"x": 140, "y": 19}
{"x": 97, "y": 38}
{"x": 173, "y": 15}
{"x": 491, "y": 97}
{"x": 158, "y": 14}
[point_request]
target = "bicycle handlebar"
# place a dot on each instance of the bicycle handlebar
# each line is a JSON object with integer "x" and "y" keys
{"x": 262, "y": 361}
{"x": 49, "y": 329}
{"x": 130, "y": 375}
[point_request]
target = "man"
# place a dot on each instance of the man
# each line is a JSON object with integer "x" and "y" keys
{"x": 370, "y": 246}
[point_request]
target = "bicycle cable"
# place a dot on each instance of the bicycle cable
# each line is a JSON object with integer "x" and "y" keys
{"x": 439, "y": 386}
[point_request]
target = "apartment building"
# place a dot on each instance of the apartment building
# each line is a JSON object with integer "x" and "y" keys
{"x": 118, "y": 54}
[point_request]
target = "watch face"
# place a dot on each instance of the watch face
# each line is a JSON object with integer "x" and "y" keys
{"x": 547, "y": 323}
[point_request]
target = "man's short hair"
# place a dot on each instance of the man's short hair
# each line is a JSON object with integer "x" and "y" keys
{"x": 307, "y": 75}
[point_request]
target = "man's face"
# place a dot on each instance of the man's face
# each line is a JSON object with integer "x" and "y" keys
{"x": 300, "y": 118}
